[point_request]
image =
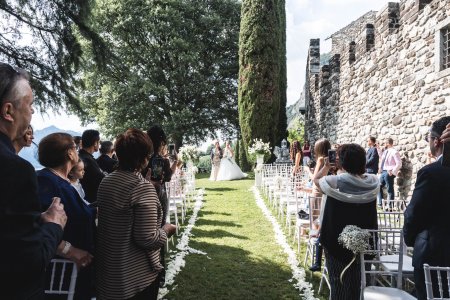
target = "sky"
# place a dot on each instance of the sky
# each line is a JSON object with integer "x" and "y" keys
{"x": 305, "y": 20}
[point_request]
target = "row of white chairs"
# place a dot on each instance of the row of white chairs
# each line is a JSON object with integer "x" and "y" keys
{"x": 288, "y": 194}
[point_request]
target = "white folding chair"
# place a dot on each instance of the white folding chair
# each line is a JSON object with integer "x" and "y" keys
{"x": 441, "y": 277}
{"x": 313, "y": 235}
{"x": 385, "y": 276}
{"x": 61, "y": 270}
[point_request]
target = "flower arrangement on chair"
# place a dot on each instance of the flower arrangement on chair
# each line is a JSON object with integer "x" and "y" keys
{"x": 354, "y": 239}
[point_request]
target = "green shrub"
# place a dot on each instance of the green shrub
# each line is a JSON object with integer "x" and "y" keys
{"x": 205, "y": 163}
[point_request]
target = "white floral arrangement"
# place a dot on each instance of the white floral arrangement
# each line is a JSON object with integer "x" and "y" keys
{"x": 188, "y": 153}
{"x": 354, "y": 239}
{"x": 259, "y": 147}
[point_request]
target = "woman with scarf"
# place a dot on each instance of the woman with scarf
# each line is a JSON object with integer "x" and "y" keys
{"x": 350, "y": 200}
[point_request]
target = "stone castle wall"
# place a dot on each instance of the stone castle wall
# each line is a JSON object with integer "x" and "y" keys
{"x": 385, "y": 82}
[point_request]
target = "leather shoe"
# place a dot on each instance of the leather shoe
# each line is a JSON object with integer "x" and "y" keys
{"x": 315, "y": 267}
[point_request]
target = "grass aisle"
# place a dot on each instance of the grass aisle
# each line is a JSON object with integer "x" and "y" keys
{"x": 243, "y": 260}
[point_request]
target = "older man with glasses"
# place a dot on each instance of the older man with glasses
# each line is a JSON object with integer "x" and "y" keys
{"x": 427, "y": 217}
{"x": 28, "y": 237}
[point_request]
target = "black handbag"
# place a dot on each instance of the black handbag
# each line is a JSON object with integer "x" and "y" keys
{"x": 303, "y": 215}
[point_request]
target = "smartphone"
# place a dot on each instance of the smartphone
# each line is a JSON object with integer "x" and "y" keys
{"x": 332, "y": 156}
{"x": 446, "y": 155}
{"x": 171, "y": 149}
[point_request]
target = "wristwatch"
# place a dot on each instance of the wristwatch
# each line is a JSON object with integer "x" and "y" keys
{"x": 66, "y": 248}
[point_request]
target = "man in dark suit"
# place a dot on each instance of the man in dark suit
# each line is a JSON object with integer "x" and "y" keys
{"x": 105, "y": 160}
{"x": 372, "y": 157}
{"x": 28, "y": 237}
{"x": 427, "y": 217}
{"x": 93, "y": 175}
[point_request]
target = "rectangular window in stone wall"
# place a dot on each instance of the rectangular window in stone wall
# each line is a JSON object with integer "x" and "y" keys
{"x": 445, "y": 35}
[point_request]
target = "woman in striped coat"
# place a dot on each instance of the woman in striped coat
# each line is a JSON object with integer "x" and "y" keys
{"x": 129, "y": 232}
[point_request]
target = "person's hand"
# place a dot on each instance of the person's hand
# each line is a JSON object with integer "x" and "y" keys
{"x": 390, "y": 173}
{"x": 55, "y": 213}
{"x": 170, "y": 229}
{"x": 445, "y": 137}
{"x": 80, "y": 257}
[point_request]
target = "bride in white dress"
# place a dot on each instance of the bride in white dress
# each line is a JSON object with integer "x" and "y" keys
{"x": 228, "y": 169}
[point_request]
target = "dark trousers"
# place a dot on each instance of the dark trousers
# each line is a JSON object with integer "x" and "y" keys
{"x": 387, "y": 181}
{"x": 319, "y": 251}
{"x": 150, "y": 293}
{"x": 350, "y": 289}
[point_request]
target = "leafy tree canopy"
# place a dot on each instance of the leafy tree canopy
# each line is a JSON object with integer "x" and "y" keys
{"x": 177, "y": 66}
{"x": 40, "y": 36}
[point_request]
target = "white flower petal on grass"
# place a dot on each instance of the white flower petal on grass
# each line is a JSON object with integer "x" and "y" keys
{"x": 298, "y": 273}
{"x": 177, "y": 261}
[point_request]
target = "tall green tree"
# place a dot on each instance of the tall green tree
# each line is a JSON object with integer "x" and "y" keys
{"x": 178, "y": 67}
{"x": 282, "y": 117}
{"x": 41, "y": 36}
{"x": 259, "y": 71}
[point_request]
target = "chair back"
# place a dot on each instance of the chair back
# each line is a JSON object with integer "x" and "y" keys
{"x": 384, "y": 242}
{"x": 437, "y": 279}
{"x": 63, "y": 277}
{"x": 314, "y": 209}
{"x": 390, "y": 220}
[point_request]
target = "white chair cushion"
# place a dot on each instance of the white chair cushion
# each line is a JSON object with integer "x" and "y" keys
{"x": 385, "y": 293}
{"x": 390, "y": 266}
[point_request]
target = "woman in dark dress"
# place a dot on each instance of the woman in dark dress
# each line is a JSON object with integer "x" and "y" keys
{"x": 350, "y": 200}
{"x": 57, "y": 153}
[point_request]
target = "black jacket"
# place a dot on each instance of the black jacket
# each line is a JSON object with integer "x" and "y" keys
{"x": 427, "y": 217}
{"x": 93, "y": 175}
{"x": 372, "y": 159}
{"x": 27, "y": 245}
{"x": 338, "y": 214}
{"x": 106, "y": 163}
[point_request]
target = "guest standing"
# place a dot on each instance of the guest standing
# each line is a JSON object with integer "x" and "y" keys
{"x": 24, "y": 141}
{"x": 93, "y": 175}
{"x": 129, "y": 233}
{"x": 372, "y": 158}
{"x": 390, "y": 165}
{"x": 58, "y": 154}
{"x": 350, "y": 200}
{"x": 427, "y": 217}
{"x": 28, "y": 237}
{"x": 321, "y": 148}
{"x": 306, "y": 150}
{"x": 105, "y": 160}
{"x": 296, "y": 156}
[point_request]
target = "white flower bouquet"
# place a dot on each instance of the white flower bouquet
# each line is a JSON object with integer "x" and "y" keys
{"x": 188, "y": 153}
{"x": 354, "y": 239}
{"x": 259, "y": 147}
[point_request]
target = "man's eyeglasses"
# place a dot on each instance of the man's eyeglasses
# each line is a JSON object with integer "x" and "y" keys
{"x": 428, "y": 137}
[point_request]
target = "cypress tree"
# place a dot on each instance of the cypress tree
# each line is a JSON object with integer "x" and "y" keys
{"x": 245, "y": 166}
{"x": 282, "y": 118}
{"x": 236, "y": 153}
{"x": 259, "y": 71}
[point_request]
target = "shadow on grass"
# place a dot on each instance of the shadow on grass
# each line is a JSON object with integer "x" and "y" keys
{"x": 231, "y": 273}
{"x": 218, "y": 233}
{"x": 201, "y": 222}
{"x": 207, "y": 212}
{"x": 220, "y": 189}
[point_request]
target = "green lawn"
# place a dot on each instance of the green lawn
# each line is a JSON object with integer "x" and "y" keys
{"x": 243, "y": 260}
